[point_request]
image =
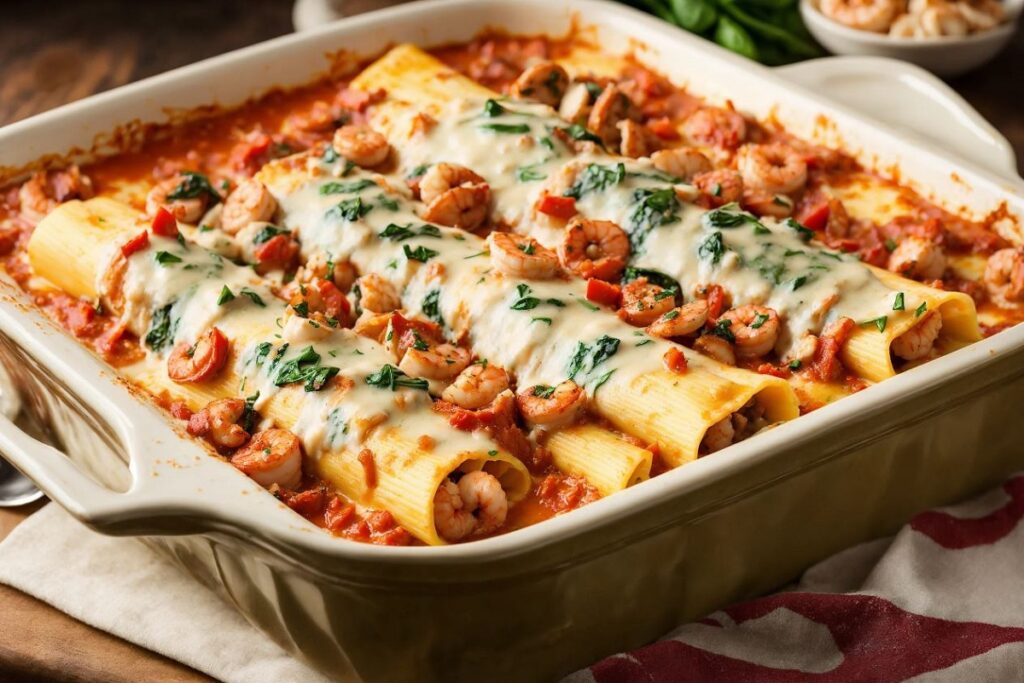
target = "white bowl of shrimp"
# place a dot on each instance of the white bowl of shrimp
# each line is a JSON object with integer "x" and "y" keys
{"x": 947, "y": 37}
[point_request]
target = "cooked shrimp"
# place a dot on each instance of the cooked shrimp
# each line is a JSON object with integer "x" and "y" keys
{"x": 943, "y": 20}
{"x": 273, "y": 456}
{"x": 190, "y": 204}
{"x": 716, "y": 127}
{"x": 440, "y": 362}
{"x": 917, "y": 257}
{"x": 551, "y": 407}
{"x": 681, "y": 321}
{"x": 321, "y": 265}
{"x": 476, "y": 386}
{"x": 361, "y": 145}
{"x": 440, "y": 178}
{"x": 476, "y": 503}
{"x": 544, "y": 82}
{"x": 917, "y": 342}
{"x": 756, "y": 329}
{"x": 681, "y": 162}
{"x": 1004, "y": 274}
{"x": 716, "y": 347}
{"x": 377, "y": 294}
{"x": 593, "y": 248}
{"x": 718, "y": 436}
{"x": 521, "y": 256}
{"x": 575, "y": 105}
{"x": 774, "y": 168}
{"x": 865, "y": 15}
{"x": 762, "y": 204}
{"x": 634, "y": 143}
{"x": 200, "y": 361}
{"x": 464, "y": 207}
{"x": 250, "y": 202}
{"x": 718, "y": 188}
{"x": 38, "y": 195}
{"x": 643, "y": 302}
{"x": 218, "y": 421}
{"x": 611, "y": 107}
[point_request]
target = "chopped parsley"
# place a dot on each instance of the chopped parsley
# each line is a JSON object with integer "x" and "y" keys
{"x": 390, "y": 377}
{"x": 528, "y": 173}
{"x": 253, "y": 296}
{"x": 193, "y": 186}
{"x": 418, "y": 171}
{"x": 897, "y": 304}
{"x": 712, "y": 247}
{"x": 721, "y": 329}
{"x": 166, "y": 258}
{"x": 541, "y": 320}
{"x": 878, "y": 322}
{"x": 226, "y": 295}
{"x": 652, "y": 208}
{"x": 890, "y": 244}
{"x": 795, "y": 364}
{"x": 759, "y": 320}
{"x": 431, "y": 307}
{"x": 803, "y": 231}
{"x": 579, "y": 133}
{"x": 493, "y": 109}
{"x": 586, "y": 357}
{"x": 596, "y": 178}
{"x": 921, "y": 309}
{"x": 267, "y": 233}
{"x": 509, "y": 128}
{"x": 348, "y": 209}
{"x": 543, "y": 391}
{"x": 525, "y": 302}
{"x": 346, "y": 188}
{"x": 420, "y": 253}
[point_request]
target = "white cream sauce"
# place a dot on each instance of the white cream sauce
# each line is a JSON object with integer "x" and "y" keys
{"x": 174, "y": 293}
{"x": 762, "y": 262}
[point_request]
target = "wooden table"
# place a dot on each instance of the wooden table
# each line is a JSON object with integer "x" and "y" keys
{"x": 64, "y": 50}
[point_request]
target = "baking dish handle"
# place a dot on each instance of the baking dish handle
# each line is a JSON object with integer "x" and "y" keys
{"x": 906, "y": 97}
{"x": 115, "y": 513}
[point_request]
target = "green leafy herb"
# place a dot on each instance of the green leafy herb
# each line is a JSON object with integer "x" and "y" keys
{"x": 386, "y": 202}
{"x": 601, "y": 380}
{"x": 543, "y": 391}
{"x": 304, "y": 367}
{"x": 226, "y": 295}
{"x": 348, "y": 209}
{"x": 253, "y": 296}
{"x": 493, "y": 109}
{"x": 541, "y": 320}
{"x": 166, "y": 258}
{"x": 555, "y": 302}
{"x": 162, "y": 328}
{"x": 586, "y": 357}
{"x": 878, "y": 322}
{"x": 795, "y": 364}
{"x": 803, "y": 231}
{"x": 346, "y": 188}
{"x": 267, "y": 233}
{"x": 759, "y": 320}
{"x": 525, "y": 302}
{"x": 510, "y": 128}
{"x": 529, "y": 173}
{"x": 527, "y": 248}
{"x": 587, "y": 304}
{"x": 579, "y": 133}
{"x": 671, "y": 315}
{"x": 596, "y": 178}
{"x": 712, "y": 247}
{"x": 655, "y": 277}
{"x": 301, "y": 309}
{"x": 890, "y": 244}
{"x": 652, "y": 208}
{"x": 721, "y": 329}
{"x": 396, "y": 233}
{"x": 418, "y": 171}
{"x": 921, "y": 309}
{"x": 390, "y": 377}
{"x": 420, "y": 253}
{"x": 193, "y": 186}
{"x": 431, "y": 307}
{"x": 897, "y": 304}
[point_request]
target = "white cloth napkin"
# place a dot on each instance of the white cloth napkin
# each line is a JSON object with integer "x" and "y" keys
{"x": 120, "y": 586}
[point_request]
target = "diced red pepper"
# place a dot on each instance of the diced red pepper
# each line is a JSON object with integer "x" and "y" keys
{"x": 815, "y": 217}
{"x": 180, "y": 411}
{"x": 277, "y": 252}
{"x": 164, "y": 223}
{"x": 604, "y": 293}
{"x": 717, "y": 302}
{"x": 137, "y": 243}
{"x": 780, "y": 371}
{"x": 675, "y": 360}
{"x": 558, "y": 207}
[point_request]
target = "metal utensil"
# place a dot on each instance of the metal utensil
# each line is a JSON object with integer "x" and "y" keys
{"x": 15, "y": 488}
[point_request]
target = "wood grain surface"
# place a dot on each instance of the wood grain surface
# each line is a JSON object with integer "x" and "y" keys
{"x": 63, "y": 50}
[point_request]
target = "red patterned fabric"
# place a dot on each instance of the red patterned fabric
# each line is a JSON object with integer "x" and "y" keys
{"x": 942, "y": 601}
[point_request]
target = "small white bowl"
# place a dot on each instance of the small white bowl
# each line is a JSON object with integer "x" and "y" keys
{"x": 945, "y": 56}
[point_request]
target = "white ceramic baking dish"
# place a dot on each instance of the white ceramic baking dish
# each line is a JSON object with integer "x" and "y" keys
{"x": 542, "y": 601}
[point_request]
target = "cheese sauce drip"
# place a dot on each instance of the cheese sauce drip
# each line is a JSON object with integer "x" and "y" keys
{"x": 544, "y": 331}
{"x": 514, "y": 147}
{"x": 174, "y": 292}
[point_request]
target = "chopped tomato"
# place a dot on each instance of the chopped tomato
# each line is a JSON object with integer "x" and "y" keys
{"x": 826, "y": 365}
{"x": 308, "y": 503}
{"x": 774, "y": 370}
{"x": 180, "y": 411}
{"x": 107, "y": 344}
{"x": 718, "y": 301}
{"x": 339, "y": 514}
{"x": 200, "y": 361}
{"x": 675, "y": 360}
{"x": 815, "y": 216}
{"x": 277, "y": 252}
{"x": 359, "y": 100}
{"x": 663, "y": 128}
{"x": 164, "y": 224}
{"x": 137, "y": 243}
{"x": 78, "y": 316}
{"x": 604, "y": 293}
{"x": 558, "y": 207}
{"x": 335, "y": 303}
